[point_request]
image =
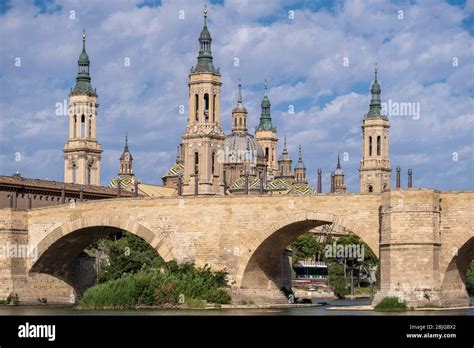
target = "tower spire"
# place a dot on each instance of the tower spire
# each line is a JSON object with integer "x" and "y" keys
{"x": 239, "y": 100}
{"x": 205, "y": 55}
{"x": 265, "y": 117}
{"x": 83, "y": 79}
{"x": 375, "y": 104}
{"x": 338, "y": 162}
{"x": 126, "y": 143}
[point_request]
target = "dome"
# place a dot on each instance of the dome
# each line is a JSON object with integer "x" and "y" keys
{"x": 338, "y": 171}
{"x": 236, "y": 147}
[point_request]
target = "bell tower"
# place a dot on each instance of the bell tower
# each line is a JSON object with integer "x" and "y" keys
{"x": 82, "y": 150}
{"x": 203, "y": 140}
{"x": 375, "y": 171}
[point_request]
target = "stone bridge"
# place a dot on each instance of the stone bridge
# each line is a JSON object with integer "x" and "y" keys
{"x": 424, "y": 238}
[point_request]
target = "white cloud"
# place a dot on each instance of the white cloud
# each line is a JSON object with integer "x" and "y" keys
{"x": 302, "y": 58}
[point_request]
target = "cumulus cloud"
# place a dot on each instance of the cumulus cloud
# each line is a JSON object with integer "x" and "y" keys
{"x": 424, "y": 52}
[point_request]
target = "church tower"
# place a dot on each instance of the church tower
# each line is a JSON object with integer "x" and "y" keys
{"x": 300, "y": 170}
{"x": 266, "y": 135}
{"x": 338, "y": 178}
{"x": 126, "y": 159}
{"x": 285, "y": 170}
{"x": 204, "y": 138}
{"x": 82, "y": 150}
{"x": 239, "y": 114}
{"x": 375, "y": 172}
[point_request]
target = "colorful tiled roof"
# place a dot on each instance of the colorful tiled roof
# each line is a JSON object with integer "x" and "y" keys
{"x": 254, "y": 183}
{"x": 125, "y": 182}
{"x": 177, "y": 169}
{"x": 275, "y": 185}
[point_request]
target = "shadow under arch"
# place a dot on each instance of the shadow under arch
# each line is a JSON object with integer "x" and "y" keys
{"x": 261, "y": 269}
{"x": 453, "y": 287}
{"x": 58, "y": 249}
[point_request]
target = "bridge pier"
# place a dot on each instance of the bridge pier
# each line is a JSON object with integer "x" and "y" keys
{"x": 410, "y": 250}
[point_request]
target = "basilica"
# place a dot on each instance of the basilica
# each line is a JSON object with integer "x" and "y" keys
{"x": 208, "y": 161}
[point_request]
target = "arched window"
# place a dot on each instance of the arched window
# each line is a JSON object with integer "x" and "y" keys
{"x": 89, "y": 174}
{"x": 266, "y": 153}
{"x": 74, "y": 172}
{"x": 196, "y": 107}
{"x": 379, "y": 145}
{"x": 240, "y": 121}
{"x": 83, "y": 127}
{"x": 75, "y": 126}
{"x": 235, "y": 122}
{"x": 213, "y": 108}
{"x": 371, "y": 189}
{"x": 90, "y": 126}
{"x": 206, "y": 107}
{"x": 196, "y": 163}
{"x": 213, "y": 162}
{"x": 370, "y": 146}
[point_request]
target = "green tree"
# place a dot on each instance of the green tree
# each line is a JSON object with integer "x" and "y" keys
{"x": 337, "y": 280}
{"x": 127, "y": 254}
{"x": 470, "y": 278}
{"x": 307, "y": 246}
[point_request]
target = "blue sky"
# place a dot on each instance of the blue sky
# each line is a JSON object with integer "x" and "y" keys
{"x": 424, "y": 51}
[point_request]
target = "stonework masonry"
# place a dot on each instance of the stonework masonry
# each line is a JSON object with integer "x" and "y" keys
{"x": 424, "y": 238}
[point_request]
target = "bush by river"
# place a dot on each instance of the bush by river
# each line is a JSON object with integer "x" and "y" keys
{"x": 178, "y": 285}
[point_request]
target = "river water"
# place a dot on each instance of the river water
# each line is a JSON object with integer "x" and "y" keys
{"x": 313, "y": 311}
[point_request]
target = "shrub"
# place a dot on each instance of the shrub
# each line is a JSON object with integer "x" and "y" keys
{"x": 391, "y": 304}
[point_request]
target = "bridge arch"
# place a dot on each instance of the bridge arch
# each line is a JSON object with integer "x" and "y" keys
{"x": 259, "y": 268}
{"x": 62, "y": 244}
{"x": 453, "y": 285}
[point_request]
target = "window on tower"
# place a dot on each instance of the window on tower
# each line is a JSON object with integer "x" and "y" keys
{"x": 213, "y": 162}
{"x": 74, "y": 172}
{"x": 379, "y": 145}
{"x": 206, "y": 107}
{"x": 89, "y": 174}
{"x": 370, "y": 146}
{"x": 75, "y": 126}
{"x": 83, "y": 126}
{"x": 90, "y": 126}
{"x": 213, "y": 108}
{"x": 196, "y": 107}
{"x": 196, "y": 163}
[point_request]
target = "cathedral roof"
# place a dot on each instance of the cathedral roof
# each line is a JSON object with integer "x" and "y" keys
{"x": 241, "y": 147}
{"x": 177, "y": 169}
{"x": 125, "y": 182}
{"x": 275, "y": 185}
